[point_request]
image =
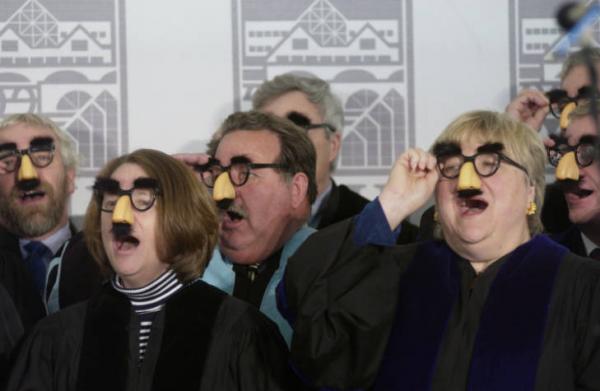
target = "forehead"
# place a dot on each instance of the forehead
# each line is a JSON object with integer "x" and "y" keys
{"x": 282, "y": 105}
{"x": 260, "y": 146}
{"x": 22, "y": 134}
{"x": 579, "y": 127}
{"x": 127, "y": 173}
{"x": 577, "y": 77}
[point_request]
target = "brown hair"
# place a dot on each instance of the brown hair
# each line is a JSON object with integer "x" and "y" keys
{"x": 297, "y": 151}
{"x": 187, "y": 227}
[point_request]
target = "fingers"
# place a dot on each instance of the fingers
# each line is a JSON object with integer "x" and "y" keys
{"x": 418, "y": 161}
{"x": 192, "y": 159}
{"x": 530, "y": 107}
{"x": 549, "y": 143}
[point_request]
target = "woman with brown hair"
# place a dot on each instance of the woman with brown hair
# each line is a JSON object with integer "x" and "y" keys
{"x": 152, "y": 227}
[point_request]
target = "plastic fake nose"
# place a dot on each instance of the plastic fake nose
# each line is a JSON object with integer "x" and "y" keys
{"x": 223, "y": 191}
{"x": 564, "y": 115}
{"x": 567, "y": 168}
{"x": 26, "y": 169}
{"x": 468, "y": 178}
{"x": 123, "y": 212}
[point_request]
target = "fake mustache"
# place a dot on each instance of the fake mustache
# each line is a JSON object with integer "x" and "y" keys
{"x": 466, "y": 193}
{"x": 28, "y": 184}
{"x": 121, "y": 230}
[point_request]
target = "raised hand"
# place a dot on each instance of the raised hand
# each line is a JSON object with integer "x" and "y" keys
{"x": 529, "y": 107}
{"x": 193, "y": 160}
{"x": 410, "y": 184}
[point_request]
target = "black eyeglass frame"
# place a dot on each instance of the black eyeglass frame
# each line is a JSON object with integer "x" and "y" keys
{"x": 51, "y": 148}
{"x": 564, "y": 148}
{"x": 100, "y": 198}
{"x": 500, "y": 157}
{"x": 317, "y": 126}
{"x": 249, "y": 166}
{"x": 560, "y": 98}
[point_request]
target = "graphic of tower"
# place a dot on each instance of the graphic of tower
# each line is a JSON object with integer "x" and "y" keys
{"x": 364, "y": 52}
{"x": 535, "y": 39}
{"x": 65, "y": 60}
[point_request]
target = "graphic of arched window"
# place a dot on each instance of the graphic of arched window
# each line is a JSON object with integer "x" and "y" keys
{"x": 94, "y": 126}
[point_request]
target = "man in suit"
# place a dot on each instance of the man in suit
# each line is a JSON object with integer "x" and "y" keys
{"x": 310, "y": 104}
{"x": 574, "y": 222}
{"x": 37, "y": 177}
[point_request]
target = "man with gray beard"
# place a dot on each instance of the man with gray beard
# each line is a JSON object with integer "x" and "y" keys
{"x": 44, "y": 264}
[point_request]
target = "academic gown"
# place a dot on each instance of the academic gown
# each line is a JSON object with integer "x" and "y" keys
{"x": 344, "y": 302}
{"x": 203, "y": 339}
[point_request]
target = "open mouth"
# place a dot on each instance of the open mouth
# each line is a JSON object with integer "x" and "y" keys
{"x": 580, "y": 193}
{"x": 31, "y": 195}
{"x": 573, "y": 189}
{"x": 473, "y": 205}
{"x": 127, "y": 243}
{"x": 234, "y": 215}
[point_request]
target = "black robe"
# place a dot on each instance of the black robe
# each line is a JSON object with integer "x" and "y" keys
{"x": 203, "y": 339}
{"x": 342, "y": 301}
{"x": 343, "y": 203}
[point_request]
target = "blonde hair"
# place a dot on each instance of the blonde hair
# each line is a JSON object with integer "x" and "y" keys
{"x": 521, "y": 144}
{"x": 68, "y": 150}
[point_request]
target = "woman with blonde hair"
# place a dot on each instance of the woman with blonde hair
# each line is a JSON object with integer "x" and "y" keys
{"x": 490, "y": 305}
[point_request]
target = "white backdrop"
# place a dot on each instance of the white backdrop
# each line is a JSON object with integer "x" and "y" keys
{"x": 180, "y": 66}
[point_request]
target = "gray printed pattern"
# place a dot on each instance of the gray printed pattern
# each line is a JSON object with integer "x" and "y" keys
{"x": 364, "y": 49}
{"x": 535, "y": 61}
{"x": 65, "y": 59}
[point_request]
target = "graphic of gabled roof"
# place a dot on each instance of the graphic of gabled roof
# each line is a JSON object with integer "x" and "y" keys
{"x": 80, "y": 32}
{"x": 369, "y": 31}
{"x": 325, "y": 24}
{"x": 296, "y": 32}
{"x": 35, "y": 25}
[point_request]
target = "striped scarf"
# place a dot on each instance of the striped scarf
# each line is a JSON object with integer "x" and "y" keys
{"x": 147, "y": 301}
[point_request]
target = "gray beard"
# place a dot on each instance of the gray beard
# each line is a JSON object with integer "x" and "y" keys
{"x": 33, "y": 221}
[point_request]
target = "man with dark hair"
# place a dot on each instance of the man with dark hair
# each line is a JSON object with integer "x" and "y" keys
{"x": 261, "y": 169}
{"x": 310, "y": 103}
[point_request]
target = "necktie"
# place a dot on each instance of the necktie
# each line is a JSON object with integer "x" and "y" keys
{"x": 38, "y": 256}
{"x": 595, "y": 254}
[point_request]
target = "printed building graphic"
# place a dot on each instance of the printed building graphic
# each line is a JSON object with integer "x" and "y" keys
{"x": 365, "y": 53}
{"x": 65, "y": 60}
{"x": 535, "y": 40}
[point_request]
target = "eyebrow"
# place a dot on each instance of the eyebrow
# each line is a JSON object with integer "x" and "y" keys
{"x": 8, "y": 147}
{"x": 490, "y": 147}
{"x": 113, "y": 186}
{"x": 445, "y": 149}
{"x": 106, "y": 184}
{"x": 41, "y": 141}
{"x": 145, "y": 183}
{"x": 240, "y": 159}
{"x": 588, "y": 139}
{"x": 298, "y": 118}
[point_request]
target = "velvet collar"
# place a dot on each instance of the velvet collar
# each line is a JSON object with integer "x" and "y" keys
{"x": 189, "y": 319}
{"x": 511, "y": 330}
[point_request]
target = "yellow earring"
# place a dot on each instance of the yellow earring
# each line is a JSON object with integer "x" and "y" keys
{"x": 436, "y": 216}
{"x": 531, "y": 208}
